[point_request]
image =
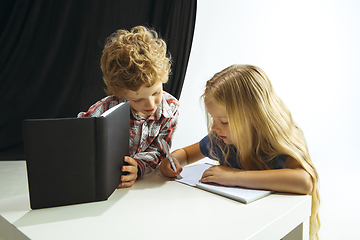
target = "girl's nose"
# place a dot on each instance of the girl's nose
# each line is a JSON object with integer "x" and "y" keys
{"x": 214, "y": 127}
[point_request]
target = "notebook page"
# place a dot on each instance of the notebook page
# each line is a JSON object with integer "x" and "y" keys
{"x": 240, "y": 194}
{"x": 110, "y": 110}
{"x": 192, "y": 174}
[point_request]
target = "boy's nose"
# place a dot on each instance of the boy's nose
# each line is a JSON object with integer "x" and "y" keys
{"x": 150, "y": 103}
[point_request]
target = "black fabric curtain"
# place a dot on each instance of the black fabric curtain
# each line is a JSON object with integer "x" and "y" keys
{"x": 50, "y": 55}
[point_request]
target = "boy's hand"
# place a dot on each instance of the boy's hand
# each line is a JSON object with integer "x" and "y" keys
{"x": 166, "y": 169}
{"x": 129, "y": 179}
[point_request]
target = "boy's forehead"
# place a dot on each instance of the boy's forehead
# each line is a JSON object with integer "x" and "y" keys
{"x": 144, "y": 91}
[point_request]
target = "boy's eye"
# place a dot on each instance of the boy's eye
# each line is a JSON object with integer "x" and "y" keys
{"x": 137, "y": 100}
{"x": 156, "y": 93}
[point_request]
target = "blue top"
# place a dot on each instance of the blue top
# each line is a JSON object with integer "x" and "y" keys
{"x": 277, "y": 163}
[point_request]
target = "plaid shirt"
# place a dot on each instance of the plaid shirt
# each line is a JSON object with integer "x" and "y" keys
{"x": 145, "y": 134}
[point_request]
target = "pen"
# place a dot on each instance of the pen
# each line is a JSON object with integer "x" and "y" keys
{"x": 166, "y": 147}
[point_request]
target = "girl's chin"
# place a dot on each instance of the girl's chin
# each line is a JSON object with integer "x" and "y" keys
{"x": 227, "y": 141}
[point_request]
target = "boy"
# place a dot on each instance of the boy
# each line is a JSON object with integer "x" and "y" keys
{"x": 135, "y": 66}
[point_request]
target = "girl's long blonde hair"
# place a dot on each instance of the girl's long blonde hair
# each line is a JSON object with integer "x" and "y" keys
{"x": 261, "y": 125}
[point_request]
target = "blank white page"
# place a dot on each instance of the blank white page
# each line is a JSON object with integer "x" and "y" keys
{"x": 192, "y": 174}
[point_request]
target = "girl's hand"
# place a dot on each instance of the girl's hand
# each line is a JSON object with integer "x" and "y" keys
{"x": 167, "y": 170}
{"x": 129, "y": 179}
{"x": 220, "y": 175}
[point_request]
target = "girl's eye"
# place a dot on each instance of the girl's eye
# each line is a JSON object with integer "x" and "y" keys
{"x": 224, "y": 123}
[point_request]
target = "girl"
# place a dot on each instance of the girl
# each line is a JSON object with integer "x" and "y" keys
{"x": 253, "y": 137}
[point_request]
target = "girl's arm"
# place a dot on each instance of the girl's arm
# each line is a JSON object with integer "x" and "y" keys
{"x": 181, "y": 157}
{"x": 292, "y": 179}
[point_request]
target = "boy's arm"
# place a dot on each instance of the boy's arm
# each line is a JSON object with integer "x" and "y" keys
{"x": 100, "y": 107}
{"x": 150, "y": 158}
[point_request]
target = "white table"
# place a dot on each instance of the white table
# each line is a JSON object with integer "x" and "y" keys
{"x": 154, "y": 208}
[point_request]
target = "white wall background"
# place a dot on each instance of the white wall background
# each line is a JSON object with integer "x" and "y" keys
{"x": 310, "y": 50}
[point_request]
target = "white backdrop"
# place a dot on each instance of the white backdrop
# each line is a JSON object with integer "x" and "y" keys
{"x": 311, "y": 52}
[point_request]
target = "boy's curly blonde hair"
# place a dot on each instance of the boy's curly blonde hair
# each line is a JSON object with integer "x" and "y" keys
{"x": 132, "y": 59}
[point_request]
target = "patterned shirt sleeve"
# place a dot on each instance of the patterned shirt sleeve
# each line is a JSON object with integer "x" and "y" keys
{"x": 101, "y": 106}
{"x": 151, "y": 150}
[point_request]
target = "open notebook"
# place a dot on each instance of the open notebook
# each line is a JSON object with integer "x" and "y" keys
{"x": 192, "y": 174}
